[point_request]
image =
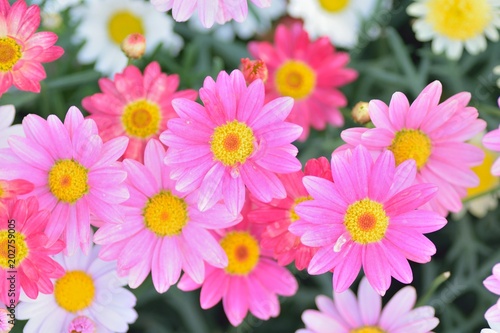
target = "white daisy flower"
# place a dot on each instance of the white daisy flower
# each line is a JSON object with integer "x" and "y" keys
{"x": 7, "y": 114}
{"x": 258, "y": 21}
{"x": 105, "y": 23}
{"x": 453, "y": 24}
{"x": 340, "y": 20}
{"x": 90, "y": 293}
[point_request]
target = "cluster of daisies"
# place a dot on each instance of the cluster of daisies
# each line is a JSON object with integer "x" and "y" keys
{"x": 211, "y": 194}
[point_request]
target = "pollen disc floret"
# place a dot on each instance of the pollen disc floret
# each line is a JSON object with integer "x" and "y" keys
{"x": 141, "y": 118}
{"x": 20, "y": 249}
{"x": 10, "y": 53}
{"x": 242, "y": 251}
{"x": 295, "y": 79}
{"x": 232, "y": 143}
{"x": 368, "y": 329}
{"x": 366, "y": 221}
{"x": 74, "y": 291}
{"x": 122, "y": 24}
{"x": 68, "y": 180}
{"x": 411, "y": 144}
{"x": 166, "y": 214}
{"x": 293, "y": 215}
{"x": 334, "y": 6}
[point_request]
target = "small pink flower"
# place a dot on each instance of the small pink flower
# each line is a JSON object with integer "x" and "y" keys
{"x": 278, "y": 215}
{"x": 135, "y": 105}
{"x": 234, "y": 141}
{"x": 492, "y": 141}
{"x": 23, "y": 49}
{"x": 368, "y": 219}
{"x": 308, "y": 71}
{"x": 492, "y": 283}
{"x": 345, "y": 314}
{"x": 22, "y": 226}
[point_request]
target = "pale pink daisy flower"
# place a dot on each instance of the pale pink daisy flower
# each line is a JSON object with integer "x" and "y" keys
{"x": 431, "y": 133}
{"x": 22, "y": 226}
{"x": 7, "y": 318}
{"x": 7, "y": 114}
{"x": 492, "y": 283}
{"x": 73, "y": 171}
{"x": 209, "y": 11}
{"x": 22, "y": 50}
{"x": 346, "y": 314}
{"x": 164, "y": 231}
{"x": 251, "y": 281}
{"x": 278, "y": 215}
{"x": 368, "y": 219}
{"x": 308, "y": 71}
{"x": 135, "y": 105}
{"x": 89, "y": 288}
{"x": 234, "y": 141}
{"x": 492, "y": 141}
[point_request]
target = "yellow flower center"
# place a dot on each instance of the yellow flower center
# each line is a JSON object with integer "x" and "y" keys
{"x": 232, "y": 143}
{"x": 411, "y": 143}
{"x": 165, "y": 214}
{"x": 295, "y": 79}
{"x": 1, "y": 190}
{"x": 74, "y": 291}
{"x": 334, "y": 6}
{"x": 366, "y": 221}
{"x": 487, "y": 181}
{"x": 122, "y": 24}
{"x": 368, "y": 329}
{"x": 68, "y": 180}
{"x": 293, "y": 215}
{"x": 12, "y": 253}
{"x": 141, "y": 119}
{"x": 242, "y": 251}
{"x": 10, "y": 53}
{"x": 459, "y": 19}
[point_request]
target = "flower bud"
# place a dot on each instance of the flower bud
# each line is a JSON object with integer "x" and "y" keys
{"x": 360, "y": 113}
{"x": 253, "y": 70}
{"x": 134, "y": 46}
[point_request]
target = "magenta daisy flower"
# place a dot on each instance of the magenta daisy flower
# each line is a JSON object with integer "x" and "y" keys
{"x": 492, "y": 283}
{"x": 233, "y": 141}
{"x": 308, "y": 71}
{"x": 368, "y": 219}
{"x": 22, "y": 49}
{"x": 73, "y": 172}
{"x": 492, "y": 141}
{"x": 135, "y": 105}
{"x": 164, "y": 231}
{"x": 278, "y": 215}
{"x": 22, "y": 226}
{"x": 251, "y": 281}
{"x": 431, "y": 133}
{"x": 210, "y": 11}
{"x": 346, "y": 314}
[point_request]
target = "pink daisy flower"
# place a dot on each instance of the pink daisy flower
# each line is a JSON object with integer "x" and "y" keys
{"x": 233, "y": 141}
{"x": 135, "y": 105}
{"x": 346, "y": 314}
{"x": 22, "y": 50}
{"x": 431, "y": 133}
{"x": 492, "y": 283}
{"x": 210, "y": 11}
{"x": 21, "y": 233}
{"x": 164, "y": 232}
{"x": 492, "y": 141}
{"x": 278, "y": 215}
{"x": 308, "y": 71}
{"x": 368, "y": 219}
{"x": 251, "y": 281}
{"x": 73, "y": 172}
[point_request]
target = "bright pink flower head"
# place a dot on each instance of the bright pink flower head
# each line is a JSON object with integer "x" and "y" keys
{"x": 210, "y": 11}
{"x": 431, "y": 133}
{"x": 164, "y": 231}
{"x": 251, "y": 281}
{"x": 346, "y": 314}
{"x": 368, "y": 219}
{"x": 232, "y": 142}
{"x": 309, "y": 71}
{"x": 492, "y": 141}
{"x": 75, "y": 174}
{"x": 22, "y": 50}
{"x": 492, "y": 283}
{"x": 22, "y": 234}
{"x": 278, "y": 215}
{"x": 135, "y": 105}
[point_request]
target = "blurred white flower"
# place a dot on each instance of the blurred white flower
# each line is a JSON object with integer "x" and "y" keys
{"x": 7, "y": 114}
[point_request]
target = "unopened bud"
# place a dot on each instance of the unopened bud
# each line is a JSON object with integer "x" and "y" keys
{"x": 253, "y": 70}
{"x": 82, "y": 324}
{"x": 360, "y": 113}
{"x": 6, "y": 320}
{"x": 134, "y": 46}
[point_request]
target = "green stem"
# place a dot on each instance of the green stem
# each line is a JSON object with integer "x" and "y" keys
{"x": 434, "y": 286}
